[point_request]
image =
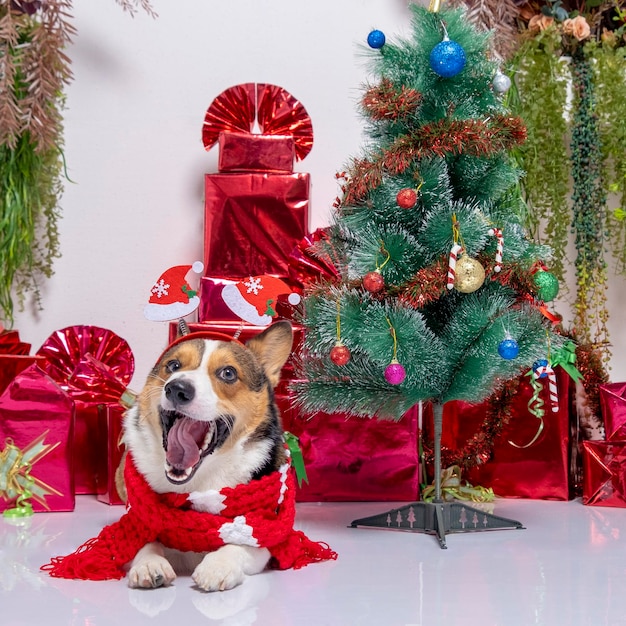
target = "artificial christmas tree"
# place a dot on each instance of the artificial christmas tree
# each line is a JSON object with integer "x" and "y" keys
{"x": 438, "y": 296}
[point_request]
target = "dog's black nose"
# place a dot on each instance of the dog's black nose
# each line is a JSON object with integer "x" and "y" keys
{"x": 179, "y": 391}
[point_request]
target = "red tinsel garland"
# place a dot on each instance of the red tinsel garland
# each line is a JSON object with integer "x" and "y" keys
{"x": 385, "y": 102}
{"x": 473, "y": 137}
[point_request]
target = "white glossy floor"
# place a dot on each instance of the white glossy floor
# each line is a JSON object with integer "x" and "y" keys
{"x": 567, "y": 568}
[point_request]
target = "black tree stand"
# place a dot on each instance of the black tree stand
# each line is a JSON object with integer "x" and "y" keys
{"x": 437, "y": 517}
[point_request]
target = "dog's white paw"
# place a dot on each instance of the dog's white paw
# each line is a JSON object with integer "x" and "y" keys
{"x": 151, "y": 572}
{"x": 218, "y": 571}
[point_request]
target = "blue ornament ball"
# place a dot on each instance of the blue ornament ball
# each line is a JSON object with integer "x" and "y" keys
{"x": 508, "y": 349}
{"x": 376, "y": 39}
{"x": 447, "y": 58}
{"x": 538, "y": 364}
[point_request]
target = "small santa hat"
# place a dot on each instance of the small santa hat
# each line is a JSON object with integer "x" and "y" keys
{"x": 254, "y": 299}
{"x": 171, "y": 297}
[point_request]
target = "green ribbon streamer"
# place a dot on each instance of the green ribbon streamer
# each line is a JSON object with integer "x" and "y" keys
{"x": 297, "y": 460}
{"x": 535, "y": 406}
{"x": 566, "y": 357}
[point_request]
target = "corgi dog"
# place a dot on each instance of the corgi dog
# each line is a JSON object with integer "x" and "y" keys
{"x": 206, "y": 420}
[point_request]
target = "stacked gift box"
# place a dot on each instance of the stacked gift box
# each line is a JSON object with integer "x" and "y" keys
{"x": 256, "y": 226}
{"x": 61, "y": 417}
{"x": 604, "y": 462}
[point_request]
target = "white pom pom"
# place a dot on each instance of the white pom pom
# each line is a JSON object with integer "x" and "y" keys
{"x": 197, "y": 267}
{"x": 491, "y": 232}
{"x": 294, "y": 298}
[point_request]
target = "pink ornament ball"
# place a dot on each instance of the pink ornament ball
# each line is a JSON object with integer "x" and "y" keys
{"x": 395, "y": 373}
{"x": 340, "y": 355}
{"x": 373, "y": 281}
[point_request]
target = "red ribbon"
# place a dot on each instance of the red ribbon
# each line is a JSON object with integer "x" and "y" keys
{"x": 275, "y": 110}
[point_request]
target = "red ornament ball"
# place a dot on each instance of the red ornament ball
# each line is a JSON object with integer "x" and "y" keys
{"x": 395, "y": 373}
{"x": 373, "y": 281}
{"x": 406, "y": 198}
{"x": 339, "y": 355}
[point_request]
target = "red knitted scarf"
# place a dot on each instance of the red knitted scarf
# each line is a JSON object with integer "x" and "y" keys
{"x": 260, "y": 513}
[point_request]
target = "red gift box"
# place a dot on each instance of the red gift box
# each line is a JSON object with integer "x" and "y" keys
{"x": 613, "y": 408}
{"x": 34, "y": 409}
{"x": 254, "y": 218}
{"x": 253, "y": 221}
{"x": 518, "y": 467}
{"x": 349, "y": 458}
{"x": 245, "y": 152}
{"x": 604, "y": 482}
{"x": 109, "y": 456}
{"x": 94, "y": 365}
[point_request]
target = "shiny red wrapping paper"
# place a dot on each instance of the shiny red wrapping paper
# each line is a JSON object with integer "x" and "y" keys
{"x": 249, "y": 153}
{"x": 108, "y": 457}
{"x": 212, "y": 306}
{"x": 348, "y": 458}
{"x": 94, "y": 366}
{"x": 253, "y": 221}
{"x": 604, "y": 476}
{"x": 539, "y": 470}
{"x": 34, "y": 404}
{"x": 613, "y": 408}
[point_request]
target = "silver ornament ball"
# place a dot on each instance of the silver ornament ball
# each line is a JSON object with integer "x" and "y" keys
{"x": 501, "y": 82}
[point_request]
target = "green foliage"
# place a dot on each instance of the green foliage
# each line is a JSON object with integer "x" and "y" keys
{"x": 539, "y": 97}
{"x": 29, "y": 192}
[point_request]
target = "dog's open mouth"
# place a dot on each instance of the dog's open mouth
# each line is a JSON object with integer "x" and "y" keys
{"x": 187, "y": 441}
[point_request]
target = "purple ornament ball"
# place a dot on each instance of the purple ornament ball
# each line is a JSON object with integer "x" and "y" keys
{"x": 395, "y": 373}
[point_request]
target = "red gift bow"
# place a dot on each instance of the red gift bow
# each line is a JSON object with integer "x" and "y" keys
{"x": 90, "y": 363}
{"x": 10, "y": 343}
{"x": 305, "y": 267}
{"x": 276, "y": 112}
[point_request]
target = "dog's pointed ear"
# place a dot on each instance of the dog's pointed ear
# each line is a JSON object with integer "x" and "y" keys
{"x": 272, "y": 348}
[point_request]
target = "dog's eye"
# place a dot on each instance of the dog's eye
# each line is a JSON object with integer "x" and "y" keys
{"x": 172, "y": 366}
{"x": 228, "y": 374}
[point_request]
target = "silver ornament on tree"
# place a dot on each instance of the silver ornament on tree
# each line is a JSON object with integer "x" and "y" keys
{"x": 501, "y": 83}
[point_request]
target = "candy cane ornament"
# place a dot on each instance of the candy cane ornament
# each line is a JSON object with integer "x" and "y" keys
{"x": 546, "y": 370}
{"x": 454, "y": 255}
{"x": 496, "y": 232}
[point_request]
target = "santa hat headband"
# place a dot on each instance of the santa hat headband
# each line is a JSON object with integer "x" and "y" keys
{"x": 201, "y": 334}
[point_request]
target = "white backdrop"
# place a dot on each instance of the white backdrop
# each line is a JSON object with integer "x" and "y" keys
{"x": 134, "y": 151}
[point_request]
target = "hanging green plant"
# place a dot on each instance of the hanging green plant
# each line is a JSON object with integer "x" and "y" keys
{"x": 539, "y": 97}
{"x": 570, "y": 77}
{"x": 34, "y": 71}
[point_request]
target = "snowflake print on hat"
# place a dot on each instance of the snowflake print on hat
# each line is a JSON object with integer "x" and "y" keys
{"x": 254, "y": 298}
{"x": 171, "y": 297}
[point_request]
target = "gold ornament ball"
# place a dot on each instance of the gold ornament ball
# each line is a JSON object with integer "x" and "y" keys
{"x": 470, "y": 275}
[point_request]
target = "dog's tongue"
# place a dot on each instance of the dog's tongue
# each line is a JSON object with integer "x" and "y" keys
{"x": 184, "y": 441}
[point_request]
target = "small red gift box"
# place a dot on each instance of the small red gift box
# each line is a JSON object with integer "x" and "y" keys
{"x": 530, "y": 458}
{"x": 108, "y": 456}
{"x": 37, "y": 417}
{"x": 246, "y": 152}
{"x": 613, "y": 408}
{"x": 348, "y": 458}
{"x": 94, "y": 365}
{"x": 604, "y": 476}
